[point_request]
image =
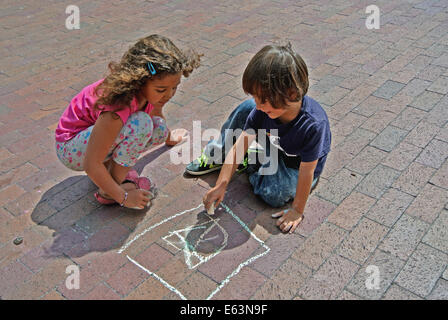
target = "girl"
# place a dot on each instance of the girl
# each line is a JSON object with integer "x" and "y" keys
{"x": 112, "y": 121}
{"x": 297, "y": 129}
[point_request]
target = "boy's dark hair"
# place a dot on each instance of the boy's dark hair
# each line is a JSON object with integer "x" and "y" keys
{"x": 277, "y": 74}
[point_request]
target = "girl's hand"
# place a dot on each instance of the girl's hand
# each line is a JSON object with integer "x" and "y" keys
{"x": 137, "y": 198}
{"x": 176, "y": 136}
{"x": 288, "y": 220}
{"x": 214, "y": 195}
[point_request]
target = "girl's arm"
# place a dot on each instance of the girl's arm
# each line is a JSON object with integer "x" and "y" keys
{"x": 106, "y": 129}
{"x": 233, "y": 158}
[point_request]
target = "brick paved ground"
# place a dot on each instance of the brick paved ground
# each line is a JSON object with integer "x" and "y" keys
{"x": 382, "y": 200}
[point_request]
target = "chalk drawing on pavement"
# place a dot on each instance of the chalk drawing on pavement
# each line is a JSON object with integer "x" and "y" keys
{"x": 209, "y": 235}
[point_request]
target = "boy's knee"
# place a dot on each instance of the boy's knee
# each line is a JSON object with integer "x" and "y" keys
{"x": 273, "y": 196}
{"x": 247, "y": 106}
{"x": 275, "y": 200}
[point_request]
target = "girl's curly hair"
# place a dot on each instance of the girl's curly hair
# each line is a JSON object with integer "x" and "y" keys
{"x": 127, "y": 77}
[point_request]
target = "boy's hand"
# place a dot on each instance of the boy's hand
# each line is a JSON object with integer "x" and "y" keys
{"x": 288, "y": 220}
{"x": 214, "y": 195}
{"x": 176, "y": 136}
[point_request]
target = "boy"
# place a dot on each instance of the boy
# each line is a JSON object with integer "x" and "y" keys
{"x": 296, "y": 125}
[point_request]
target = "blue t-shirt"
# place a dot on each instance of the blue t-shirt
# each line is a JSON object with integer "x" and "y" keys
{"x": 306, "y": 138}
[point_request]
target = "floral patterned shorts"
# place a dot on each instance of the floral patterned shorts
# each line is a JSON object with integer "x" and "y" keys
{"x": 139, "y": 133}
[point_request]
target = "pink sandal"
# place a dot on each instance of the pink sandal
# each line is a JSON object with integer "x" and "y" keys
{"x": 141, "y": 183}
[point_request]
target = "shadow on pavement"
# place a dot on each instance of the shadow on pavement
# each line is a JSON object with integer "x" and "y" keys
{"x": 79, "y": 223}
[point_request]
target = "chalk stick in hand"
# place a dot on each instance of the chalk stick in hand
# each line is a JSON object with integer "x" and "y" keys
{"x": 211, "y": 210}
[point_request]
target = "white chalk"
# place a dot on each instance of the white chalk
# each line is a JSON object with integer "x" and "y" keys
{"x": 211, "y": 210}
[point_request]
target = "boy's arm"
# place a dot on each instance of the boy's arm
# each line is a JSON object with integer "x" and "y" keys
{"x": 290, "y": 219}
{"x": 233, "y": 158}
{"x": 306, "y": 175}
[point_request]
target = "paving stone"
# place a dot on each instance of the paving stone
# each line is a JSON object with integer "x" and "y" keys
{"x": 317, "y": 210}
{"x": 441, "y": 61}
{"x": 328, "y": 282}
{"x": 339, "y": 186}
{"x": 350, "y": 211}
{"x": 395, "y": 292}
{"x": 388, "y": 89}
{"x": 409, "y": 70}
{"x": 402, "y": 156}
{"x": 404, "y": 237}
{"x": 319, "y": 246}
{"x": 426, "y": 101}
{"x": 379, "y": 121}
{"x": 378, "y": 181}
{"x": 409, "y": 118}
{"x": 348, "y": 296}
{"x": 440, "y": 292}
{"x": 388, "y": 138}
{"x": 197, "y": 286}
{"x": 281, "y": 247}
{"x": 414, "y": 178}
{"x": 431, "y": 73}
{"x": 422, "y": 134}
{"x": 445, "y": 274}
{"x": 336, "y": 160}
{"x": 416, "y": 87}
{"x": 439, "y": 114}
{"x": 422, "y": 270}
{"x": 333, "y": 96}
{"x": 443, "y": 134}
{"x": 440, "y": 179}
{"x": 102, "y": 292}
{"x": 356, "y": 141}
{"x": 285, "y": 283}
{"x": 439, "y": 86}
{"x": 366, "y": 160}
{"x": 435, "y": 153}
{"x": 242, "y": 286}
{"x": 362, "y": 241}
{"x": 363, "y": 284}
{"x": 371, "y": 106}
{"x": 437, "y": 235}
{"x": 328, "y": 82}
{"x": 150, "y": 289}
{"x": 390, "y": 207}
{"x": 428, "y": 203}
{"x": 398, "y": 103}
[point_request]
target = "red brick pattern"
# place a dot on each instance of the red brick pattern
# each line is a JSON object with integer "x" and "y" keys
{"x": 382, "y": 199}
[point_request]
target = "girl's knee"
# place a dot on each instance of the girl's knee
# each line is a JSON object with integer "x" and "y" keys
{"x": 140, "y": 124}
{"x": 160, "y": 132}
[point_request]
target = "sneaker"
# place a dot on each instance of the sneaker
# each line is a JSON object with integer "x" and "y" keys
{"x": 245, "y": 164}
{"x": 201, "y": 166}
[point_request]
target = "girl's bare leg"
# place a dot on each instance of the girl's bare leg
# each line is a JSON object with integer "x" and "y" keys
{"x": 118, "y": 173}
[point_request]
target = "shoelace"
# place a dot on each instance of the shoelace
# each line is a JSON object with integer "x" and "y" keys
{"x": 203, "y": 160}
{"x": 246, "y": 159}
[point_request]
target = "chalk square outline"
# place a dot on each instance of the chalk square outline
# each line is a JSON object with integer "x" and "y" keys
{"x": 226, "y": 280}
